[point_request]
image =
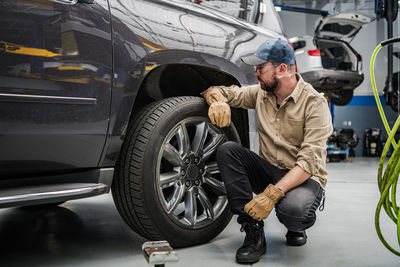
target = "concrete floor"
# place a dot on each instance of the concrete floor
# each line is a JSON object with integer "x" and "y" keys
{"x": 90, "y": 232}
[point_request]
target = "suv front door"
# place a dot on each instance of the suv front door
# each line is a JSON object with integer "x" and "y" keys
{"x": 55, "y": 85}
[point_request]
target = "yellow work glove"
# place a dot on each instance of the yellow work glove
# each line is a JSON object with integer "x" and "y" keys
{"x": 261, "y": 205}
{"x": 219, "y": 111}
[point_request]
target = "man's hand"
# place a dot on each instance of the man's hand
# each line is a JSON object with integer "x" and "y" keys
{"x": 219, "y": 111}
{"x": 261, "y": 205}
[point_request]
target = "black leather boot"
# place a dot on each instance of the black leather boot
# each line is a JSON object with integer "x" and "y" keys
{"x": 254, "y": 245}
{"x": 296, "y": 238}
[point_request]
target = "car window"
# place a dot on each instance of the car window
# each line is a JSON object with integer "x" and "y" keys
{"x": 244, "y": 9}
{"x": 298, "y": 44}
{"x": 337, "y": 28}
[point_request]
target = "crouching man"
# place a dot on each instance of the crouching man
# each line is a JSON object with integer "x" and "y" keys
{"x": 294, "y": 123}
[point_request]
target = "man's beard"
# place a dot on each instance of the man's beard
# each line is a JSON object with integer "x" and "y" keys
{"x": 270, "y": 87}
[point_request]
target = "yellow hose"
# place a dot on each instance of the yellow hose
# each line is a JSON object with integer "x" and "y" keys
{"x": 388, "y": 181}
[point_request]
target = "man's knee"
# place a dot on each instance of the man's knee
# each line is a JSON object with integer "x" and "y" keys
{"x": 226, "y": 149}
{"x": 296, "y": 217}
{"x": 297, "y": 209}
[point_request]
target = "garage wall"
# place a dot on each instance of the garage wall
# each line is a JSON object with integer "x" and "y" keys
{"x": 362, "y": 112}
{"x": 360, "y": 118}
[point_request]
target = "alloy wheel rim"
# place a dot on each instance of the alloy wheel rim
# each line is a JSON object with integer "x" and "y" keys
{"x": 189, "y": 185}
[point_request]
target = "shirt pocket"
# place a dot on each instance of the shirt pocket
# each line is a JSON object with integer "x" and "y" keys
{"x": 293, "y": 131}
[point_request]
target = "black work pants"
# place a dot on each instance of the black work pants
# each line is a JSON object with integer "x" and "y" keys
{"x": 244, "y": 172}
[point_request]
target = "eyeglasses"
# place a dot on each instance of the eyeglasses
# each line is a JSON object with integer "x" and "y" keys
{"x": 261, "y": 69}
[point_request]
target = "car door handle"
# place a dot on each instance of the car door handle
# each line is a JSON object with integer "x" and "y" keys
{"x": 66, "y": 2}
{"x": 73, "y": 2}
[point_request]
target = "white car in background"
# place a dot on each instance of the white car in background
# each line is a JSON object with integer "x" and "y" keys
{"x": 327, "y": 60}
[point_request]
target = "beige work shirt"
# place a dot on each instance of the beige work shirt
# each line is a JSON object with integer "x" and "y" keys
{"x": 293, "y": 134}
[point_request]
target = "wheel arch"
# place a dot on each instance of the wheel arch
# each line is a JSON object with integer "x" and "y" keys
{"x": 171, "y": 80}
{"x": 172, "y": 73}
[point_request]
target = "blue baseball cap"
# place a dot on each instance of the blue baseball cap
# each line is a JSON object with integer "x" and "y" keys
{"x": 273, "y": 50}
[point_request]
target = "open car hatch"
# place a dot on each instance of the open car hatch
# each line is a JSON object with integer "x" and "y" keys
{"x": 344, "y": 25}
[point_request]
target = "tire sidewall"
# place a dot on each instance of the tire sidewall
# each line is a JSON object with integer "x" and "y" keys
{"x": 345, "y": 98}
{"x": 177, "y": 235}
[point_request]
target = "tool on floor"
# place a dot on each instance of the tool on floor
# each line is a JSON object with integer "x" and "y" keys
{"x": 388, "y": 180}
{"x": 159, "y": 253}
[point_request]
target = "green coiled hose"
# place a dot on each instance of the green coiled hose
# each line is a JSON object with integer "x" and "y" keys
{"x": 388, "y": 181}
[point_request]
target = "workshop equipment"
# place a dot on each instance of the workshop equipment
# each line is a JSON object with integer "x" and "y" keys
{"x": 372, "y": 142}
{"x": 348, "y": 138}
{"x": 159, "y": 253}
{"x": 388, "y": 180}
{"x": 341, "y": 145}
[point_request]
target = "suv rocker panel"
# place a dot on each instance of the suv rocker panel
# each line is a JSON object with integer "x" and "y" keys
{"x": 56, "y": 192}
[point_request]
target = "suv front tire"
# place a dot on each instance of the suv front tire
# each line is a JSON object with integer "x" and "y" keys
{"x": 167, "y": 184}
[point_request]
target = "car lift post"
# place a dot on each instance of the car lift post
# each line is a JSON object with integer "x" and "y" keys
{"x": 159, "y": 253}
{"x": 388, "y": 9}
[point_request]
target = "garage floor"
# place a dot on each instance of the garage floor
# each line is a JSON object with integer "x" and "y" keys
{"x": 90, "y": 232}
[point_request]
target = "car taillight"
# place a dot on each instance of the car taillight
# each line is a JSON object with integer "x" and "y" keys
{"x": 315, "y": 52}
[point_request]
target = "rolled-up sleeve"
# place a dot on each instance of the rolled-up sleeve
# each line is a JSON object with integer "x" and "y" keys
{"x": 240, "y": 97}
{"x": 318, "y": 127}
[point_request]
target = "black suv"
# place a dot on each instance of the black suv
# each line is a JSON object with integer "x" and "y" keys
{"x": 106, "y": 94}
